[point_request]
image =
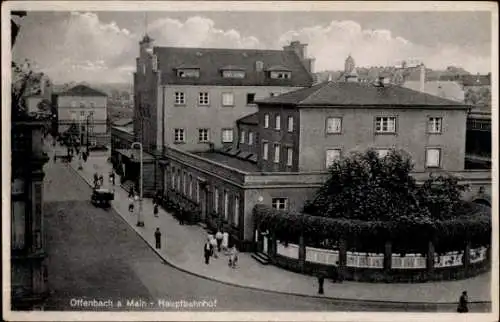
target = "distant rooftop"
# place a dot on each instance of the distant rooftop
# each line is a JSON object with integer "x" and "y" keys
{"x": 82, "y": 90}
{"x": 252, "y": 119}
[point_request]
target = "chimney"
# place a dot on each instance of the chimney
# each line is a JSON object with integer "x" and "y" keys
{"x": 422, "y": 77}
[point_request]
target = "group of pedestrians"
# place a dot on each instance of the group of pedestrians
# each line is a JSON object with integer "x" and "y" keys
{"x": 98, "y": 180}
{"x": 217, "y": 243}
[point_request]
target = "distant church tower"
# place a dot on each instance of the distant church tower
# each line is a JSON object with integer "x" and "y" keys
{"x": 350, "y": 72}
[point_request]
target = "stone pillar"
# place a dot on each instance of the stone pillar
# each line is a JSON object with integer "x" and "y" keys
{"x": 466, "y": 257}
{"x": 430, "y": 258}
{"x": 272, "y": 244}
{"x": 342, "y": 258}
{"x": 388, "y": 256}
{"x": 302, "y": 253}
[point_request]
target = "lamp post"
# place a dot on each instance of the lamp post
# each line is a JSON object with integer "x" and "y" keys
{"x": 140, "y": 222}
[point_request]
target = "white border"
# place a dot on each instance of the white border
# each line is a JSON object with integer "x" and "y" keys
{"x": 238, "y": 6}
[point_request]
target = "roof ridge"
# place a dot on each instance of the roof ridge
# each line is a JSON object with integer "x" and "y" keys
{"x": 213, "y": 48}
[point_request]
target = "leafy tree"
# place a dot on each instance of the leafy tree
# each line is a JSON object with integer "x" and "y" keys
{"x": 478, "y": 97}
{"x": 25, "y": 81}
{"x": 366, "y": 187}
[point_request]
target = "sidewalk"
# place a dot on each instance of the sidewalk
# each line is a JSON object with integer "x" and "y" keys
{"x": 182, "y": 247}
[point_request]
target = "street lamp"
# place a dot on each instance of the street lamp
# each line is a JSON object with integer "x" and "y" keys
{"x": 140, "y": 222}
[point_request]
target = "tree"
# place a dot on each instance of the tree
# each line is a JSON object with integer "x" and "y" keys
{"x": 365, "y": 187}
{"x": 24, "y": 82}
{"x": 478, "y": 97}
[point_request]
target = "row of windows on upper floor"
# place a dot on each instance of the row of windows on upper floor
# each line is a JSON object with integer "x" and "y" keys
{"x": 82, "y": 104}
{"x": 203, "y": 135}
{"x": 432, "y": 155}
{"x": 383, "y": 124}
{"x": 227, "y": 99}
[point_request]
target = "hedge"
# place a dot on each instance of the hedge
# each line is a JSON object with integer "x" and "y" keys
{"x": 406, "y": 235}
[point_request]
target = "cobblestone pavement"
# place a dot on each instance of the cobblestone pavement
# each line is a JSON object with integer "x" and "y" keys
{"x": 181, "y": 247}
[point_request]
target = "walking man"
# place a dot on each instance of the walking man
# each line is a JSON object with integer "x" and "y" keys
{"x": 158, "y": 238}
{"x": 218, "y": 237}
{"x": 321, "y": 282}
{"x": 207, "y": 251}
{"x": 463, "y": 303}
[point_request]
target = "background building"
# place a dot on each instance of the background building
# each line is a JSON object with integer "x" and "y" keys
{"x": 86, "y": 108}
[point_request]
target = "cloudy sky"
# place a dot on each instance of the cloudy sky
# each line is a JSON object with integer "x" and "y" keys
{"x": 102, "y": 46}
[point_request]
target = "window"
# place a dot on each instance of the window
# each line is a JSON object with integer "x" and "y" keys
{"x": 290, "y": 124}
{"x": 233, "y": 74}
{"x": 281, "y": 75}
{"x": 333, "y": 125}
{"x": 226, "y": 206}
{"x": 289, "y": 160}
{"x": 236, "y": 215}
{"x": 184, "y": 184}
{"x": 73, "y": 116}
{"x": 144, "y": 69}
{"x": 275, "y": 94}
{"x": 385, "y": 124}
{"x": 276, "y": 153}
{"x": 73, "y": 104}
{"x": 277, "y": 119}
{"x": 179, "y": 98}
{"x": 250, "y": 138}
{"x": 216, "y": 200}
{"x": 179, "y": 136}
{"x": 188, "y": 73}
{"x": 331, "y": 156}
{"x": 83, "y": 104}
{"x": 18, "y": 225}
{"x": 259, "y": 66}
{"x": 155, "y": 63}
{"x": 203, "y": 135}
{"x": 435, "y": 125}
{"x": 280, "y": 203}
{"x": 242, "y": 137}
{"x": 227, "y": 99}
{"x": 382, "y": 153}
{"x": 190, "y": 194}
{"x": 82, "y": 114}
{"x": 203, "y": 98}
{"x": 227, "y": 136}
{"x": 266, "y": 120}
{"x": 265, "y": 152}
{"x": 433, "y": 158}
{"x": 250, "y": 98}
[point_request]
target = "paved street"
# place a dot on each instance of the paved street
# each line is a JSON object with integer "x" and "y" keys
{"x": 93, "y": 253}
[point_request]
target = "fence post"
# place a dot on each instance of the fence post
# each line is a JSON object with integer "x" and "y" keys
{"x": 430, "y": 259}
{"x": 466, "y": 257}
{"x": 388, "y": 256}
{"x": 342, "y": 259}
{"x": 302, "y": 253}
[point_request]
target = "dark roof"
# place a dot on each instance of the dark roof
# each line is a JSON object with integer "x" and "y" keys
{"x": 211, "y": 61}
{"x": 252, "y": 119}
{"x": 476, "y": 80}
{"x": 82, "y": 90}
{"x": 359, "y": 94}
{"x": 233, "y": 162}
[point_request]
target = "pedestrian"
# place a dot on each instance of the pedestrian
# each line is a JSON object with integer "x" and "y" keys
{"x": 55, "y": 158}
{"x": 130, "y": 205}
{"x": 225, "y": 241}
{"x": 96, "y": 179}
{"x": 213, "y": 242}
{"x": 321, "y": 282}
{"x": 158, "y": 238}
{"x": 131, "y": 192}
{"x": 112, "y": 177}
{"x": 101, "y": 180}
{"x": 181, "y": 217}
{"x": 207, "y": 251}
{"x": 218, "y": 237}
{"x": 233, "y": 257}
{"x": 463, "y": 303}
{"x": 155, "y": 210}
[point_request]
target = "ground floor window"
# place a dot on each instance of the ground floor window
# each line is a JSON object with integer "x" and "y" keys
{"x": 280, "y": 203}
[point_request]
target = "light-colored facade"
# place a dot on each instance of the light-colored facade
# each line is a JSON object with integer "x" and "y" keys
{"x": 85, "y": 107}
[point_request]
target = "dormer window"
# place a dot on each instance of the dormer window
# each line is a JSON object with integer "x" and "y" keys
{"x": 188, "y": 72}
{"x": 279, "y": 72}
{"x": 233, "y": 72}
{"x": 281, "y": 75}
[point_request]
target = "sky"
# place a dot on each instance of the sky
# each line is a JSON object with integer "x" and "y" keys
{"x": 101, "y": 47}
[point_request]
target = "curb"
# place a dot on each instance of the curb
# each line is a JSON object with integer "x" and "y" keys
{"x": 406, "y": 305}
